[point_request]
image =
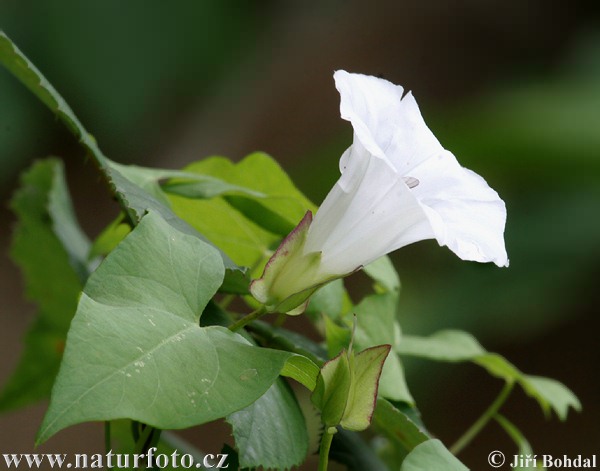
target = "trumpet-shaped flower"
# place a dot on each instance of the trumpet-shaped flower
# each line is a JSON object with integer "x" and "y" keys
{"x": 398, "y": 185}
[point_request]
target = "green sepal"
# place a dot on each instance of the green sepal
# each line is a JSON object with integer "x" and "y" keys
{"x": 290, "y": 276}
{"x": 367, "y": 368}
{"x": 332, "y": 390}
{"x": 346, "y": 390}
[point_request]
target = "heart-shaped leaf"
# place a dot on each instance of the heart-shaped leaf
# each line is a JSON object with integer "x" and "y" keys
{"x": 136, "y": 349}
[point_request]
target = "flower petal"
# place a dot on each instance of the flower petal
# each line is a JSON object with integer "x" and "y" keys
{"x": 369, "y": 212}
{"x": 388, "y": 126}
{"x": 465, "y": 213}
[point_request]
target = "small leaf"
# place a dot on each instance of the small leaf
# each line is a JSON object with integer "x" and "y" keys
{"x": 397, "y": 426}
{"x": 333, "y": 389}
{"x": 240, "y": 238}
{"x": 553, "y": 393}
{"x": 337, "y": 337}
{"x": 280, "y": 206}
{"x": 376, "y": 321}
{"x": 521, "y": 442}
{"x": 392, "y": 384}
{"x": 349, "y": 449}
{"x": 303, "y": 370}
{"x": 206, "y": 187}
{"x": 21, "y": 67}
{"x": 271, "y": 432}
{"x": 137, "y": 202}
{"x": 135, "y": 348}
{"x": 110, "y": 237}
{"x": 377, "y": 324}
{"x": 366, "y": 368}
{"x": 346, "y": 389}
{"x": 455, "y": 346}
{"x": 288, "y": 340}
{"x": 331, "y": 300}
{"x": 516, "y": 435}
{"x": 384, "y": 274}
{"x": 202, "y": 186}
{"x": 445, "y": 345}
{"x": 432, "y": 455}
{"x": 65, "y": 225}
{"x": 50, "y": 281}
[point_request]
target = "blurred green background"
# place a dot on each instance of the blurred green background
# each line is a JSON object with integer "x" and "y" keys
{"x": 511, "y": 88}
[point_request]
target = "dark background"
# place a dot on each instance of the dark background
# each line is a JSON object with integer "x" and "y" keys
{"x": 512, "y": 88}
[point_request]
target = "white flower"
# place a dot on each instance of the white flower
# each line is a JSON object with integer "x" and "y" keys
{"x": 398, "y": 186}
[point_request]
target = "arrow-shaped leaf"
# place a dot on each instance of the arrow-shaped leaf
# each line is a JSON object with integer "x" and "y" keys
{"x": 136, "y": 350}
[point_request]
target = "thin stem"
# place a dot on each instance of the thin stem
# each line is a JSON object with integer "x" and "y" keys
{"x": 226, "y": 301}
{"x": 148, "y": 438}
{"x": 181, "y": 445}
{"x": 30, "y": 76}
{"x": 281, "y": 318}
{"x": 140, "y": 444}
{"x": 270, "y": 337}
{"x": 107, "y": 441}
{"x": 326, "y": 440}
{"x": 248, "y": 318}
{"x": 489, "y": 413}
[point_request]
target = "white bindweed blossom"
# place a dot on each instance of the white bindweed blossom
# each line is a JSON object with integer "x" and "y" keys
{"x": 398, "y": 186}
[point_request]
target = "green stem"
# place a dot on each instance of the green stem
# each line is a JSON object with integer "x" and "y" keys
{"x": 480, "y": 423}
{"x": 107, "y": 441}
{"x": 248, "y": 318}
{"x": 30, "y": 76}
{"x": 270, "y": 337}
{"x": 326, "y": 440}
{"x": 226, "y": 301}
{"x": 147, "y": 438}
{"x": 181, "y": 445}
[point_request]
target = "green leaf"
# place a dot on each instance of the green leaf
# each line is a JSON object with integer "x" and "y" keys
{"x": 376, "y": 321}
{"x": 303, "y": 370}
{"x": 66, "y": 227}
{"x": 271, "y": 432}
{"x": 330, "y": 300}
{"x": 333, "y": 389}
{"x": 366, "y": 370}
{"x": 456, "y": 346}
{"x": 138, "y": 202}
{"x": 338, "y": 337}
{"x": 50, "y": 280}
{"x": 346, "y": 389}
{"x": 551, "y": 394}
{"x": 445, "y": 345}
{"x": 288, "y": 340}
{"x": 133, "y": 200}
{"x": 392, "y": 384}
{"x": 135, "y": 348}
{"x": 241, "y": 239}
{"x": 122, "y": 442}
{"x": 246, "y": 225}
{"x": 401, "y": 429}
{"x": 377, "y": 324}
{"x": 281, "y": 205}
{"x": 110, "y": 237}
{"x": 432, "y": 455}
{"x": 516, "y": 435}
{"x": 349, "y": 449}
{"x": 384, "y": 274}
{"x": 185, "y": 183}
{"x": 22, "y": 68}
